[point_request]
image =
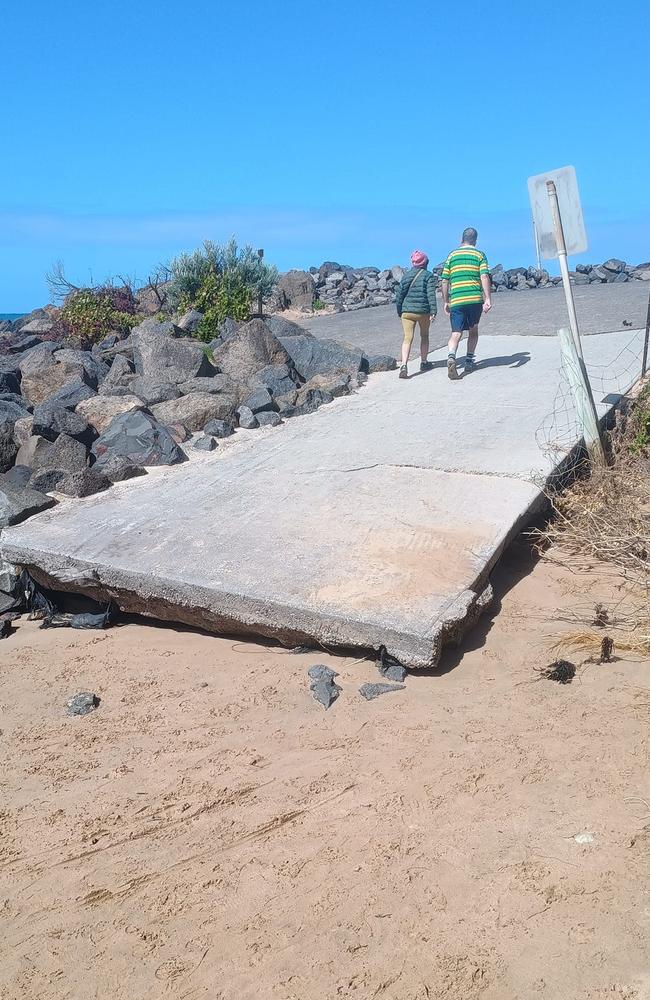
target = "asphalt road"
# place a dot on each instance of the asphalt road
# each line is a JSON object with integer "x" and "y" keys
{"x": 535, "y": 313}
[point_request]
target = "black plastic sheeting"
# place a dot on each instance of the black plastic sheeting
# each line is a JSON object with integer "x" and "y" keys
{"x": 56, "y": 610}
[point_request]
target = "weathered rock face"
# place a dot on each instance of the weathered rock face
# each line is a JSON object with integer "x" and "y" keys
{"x": 140, "y": 438}
{"x": 158, "y": 353}
{"x": 195, "y": 410}
{"x": 321, "y": 357}
{"x": 214, "y": 385}
{"x": 43, "y": 374}
{"x": 51, "y": 419}
{"x": 84, "y": 483}
{"x": 296, "y": 290}
{"x": 249, "y": 350}
{"x": 18, "y": 503}
{"x": 72, "y": 394}
{"x": 100, "y": 410}
{"x": 118, "y": 468}
{"x": 9, "y": 382}
{"x": 275, "y": 378}
{"x": 151, "y": 390}
{"x": 119, "y": 378}
{"x": 65, "y": 453}
{"x": 8, "y": 447}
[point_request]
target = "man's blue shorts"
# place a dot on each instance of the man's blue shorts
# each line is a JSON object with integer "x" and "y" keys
{"x": 464, "y": 317}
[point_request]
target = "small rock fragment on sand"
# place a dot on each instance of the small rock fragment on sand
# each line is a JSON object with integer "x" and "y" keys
{"x": 322, "y": 686}
{"x": 82, "y": 703}
{"x": 370, "y": 691}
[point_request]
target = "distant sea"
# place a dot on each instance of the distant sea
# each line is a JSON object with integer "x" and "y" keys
{"x": 11, "y": 316}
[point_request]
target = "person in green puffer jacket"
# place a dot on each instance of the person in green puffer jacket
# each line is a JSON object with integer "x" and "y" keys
{"x": 416, "y": 306}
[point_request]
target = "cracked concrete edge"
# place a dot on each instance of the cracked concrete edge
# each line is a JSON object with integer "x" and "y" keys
{"x": 231, "y": 614}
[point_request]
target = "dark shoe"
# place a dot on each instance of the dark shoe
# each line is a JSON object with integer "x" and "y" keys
{"x": 403, "y": 372}
{"x": 469, "y": 366}
{"x": 452, "y": 371}
{"x": 426, "y": 366}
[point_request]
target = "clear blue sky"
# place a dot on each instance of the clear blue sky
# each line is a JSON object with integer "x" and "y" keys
{"x": 345, "y": 131}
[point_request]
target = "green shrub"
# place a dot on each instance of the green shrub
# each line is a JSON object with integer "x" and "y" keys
{"x": 89, "y": 314}
{"x": 219, "y": 281}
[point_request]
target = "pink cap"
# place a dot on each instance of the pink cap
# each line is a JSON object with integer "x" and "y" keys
{"x": 419, "y": 259}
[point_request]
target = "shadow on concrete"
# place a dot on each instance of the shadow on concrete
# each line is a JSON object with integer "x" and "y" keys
{"x": 507, "y": 361}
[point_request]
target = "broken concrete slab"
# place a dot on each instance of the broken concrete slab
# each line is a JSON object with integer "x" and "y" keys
{"x": 375, "y": 521}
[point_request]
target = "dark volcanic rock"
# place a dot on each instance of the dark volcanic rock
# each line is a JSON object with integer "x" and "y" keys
{"x": 118, "y": 381}
{"x": 47, "y": 481}
{"x": 206, "y": 443}
{"x": 370, "y": 691}
{"x": 247, "y": 418}
{"x": 307, "y": 402}
{"x": 268, "y": 419}
{"x": 275, "y": 378}
{"x": 52, "y": 419}
{"x": 151, "y": 390}
{"x": 72, "y": 394}
{"x": 118, "y": 468}
{"x": 10, "y": 411}
{"x": 322, "y": 357}
{"x": 252, "y": 348}
{"x": 381, "y": 363}
{"x": 19, "y": 502}
{"x": 9, "y": 382}
{"x": 322, "y": 684}
{"x": 219, "y": 428}
{"x": 65, "y": 453}
{"x": 179, "y": 432}
{"x": 281, "y": 327}
{"x": 139, "y": 437}
{"x": 190, "y": 321}
{"x": 43, "y": 374}
{"x": 8, "y": 447}
{"x": 259, "y": 400}
{"x": 296, "y": 290}
{"x": 17, "y": 475}
{"x": 214, "y": 385}
{"x": 84, "y": 483}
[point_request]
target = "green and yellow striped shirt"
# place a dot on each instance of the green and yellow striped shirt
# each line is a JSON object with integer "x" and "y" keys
{"x": 463, "y": 269}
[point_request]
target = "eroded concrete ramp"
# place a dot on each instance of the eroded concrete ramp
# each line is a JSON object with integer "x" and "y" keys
{"x": 374, "y": 521}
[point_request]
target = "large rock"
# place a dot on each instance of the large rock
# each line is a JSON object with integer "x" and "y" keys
{"x": 23, "y": 430}
{"x": 65, "y": 453}
{"x": 140, "y": 438}
{"x": 259, "y": 400}
{"x": 152, "y": 390}
{"x": 381, "y": 363}
{"x": 190, "y": 321}
{"x": 95, "y": 368}
{"x": 37, "y": 327}
{"x": 614, "y": 264}
{"x": 84, "y": 483}
{"x": 296, "y": 290}
{"x": 43, "y": 374}
{"x": 8, "y": 447}
{"x": 72, "y": 394}
{"x": 219, "y": 428}
{"x": 11, "y": 411}
{"x": 101, "y": 410}
{"x": 311, "y": 356}
{"x": 282, "y": 327}
{"x": 118, "y": 469}
{"x": 48, "y": 480}
{"x": 117, "y": 382}
{"x": 160, "y": 354}
{"x": 275, "y": 378}
{"x": 9, "y": 382}
{"x": 307, "y": 401}
{"x": 19, "y": 502}
{"x": 252, "y": 348}
{"x": 51, "y": 419}
{"x": 196, "y": 409}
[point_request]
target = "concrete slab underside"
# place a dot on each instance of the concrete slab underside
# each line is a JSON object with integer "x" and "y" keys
{"x": 374, "y": 521}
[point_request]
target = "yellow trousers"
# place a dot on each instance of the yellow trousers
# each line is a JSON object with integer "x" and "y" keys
{"x": 410, "y": 321}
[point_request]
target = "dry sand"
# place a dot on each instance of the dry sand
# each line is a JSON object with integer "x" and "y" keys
{"x": 210, "y": 832}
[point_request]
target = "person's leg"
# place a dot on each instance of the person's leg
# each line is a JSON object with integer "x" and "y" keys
{"x": 408, "y": 326}
{"x": 424, "y": 324}
{"x": 472, "y": 336}
{"x": 457, "y": 319}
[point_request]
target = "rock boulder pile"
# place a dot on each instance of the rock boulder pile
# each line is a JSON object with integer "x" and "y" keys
{"x": 344, "y": 288}
{"x": 73, "y": 422}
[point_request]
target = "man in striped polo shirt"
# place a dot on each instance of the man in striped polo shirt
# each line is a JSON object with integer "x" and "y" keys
{"x": 466, "y": 290}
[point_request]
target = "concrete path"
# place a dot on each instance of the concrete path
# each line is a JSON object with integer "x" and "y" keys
{"x": 535, "y": 313}
{"x": 374, "y": 521}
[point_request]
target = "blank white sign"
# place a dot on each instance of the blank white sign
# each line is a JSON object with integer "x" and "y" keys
{"x": 568, "y": 198}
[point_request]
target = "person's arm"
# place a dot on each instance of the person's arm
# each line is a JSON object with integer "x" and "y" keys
{"x": 431, "y": 296}
{"x": 444, "y": 286}
{"x": 399, "y": 295}
{"x": 486, "y": 284}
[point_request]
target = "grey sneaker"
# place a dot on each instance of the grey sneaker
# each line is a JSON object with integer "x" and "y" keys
{"x": 452, "y": 371}
{"x": 469, "y": 366}
{"x": 403, "y": 372}
{"x": 426, "y": 366}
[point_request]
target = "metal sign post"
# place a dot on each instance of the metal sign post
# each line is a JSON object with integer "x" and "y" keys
{"x": 260, "y": 297}
{"x": 556, "y": 237}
